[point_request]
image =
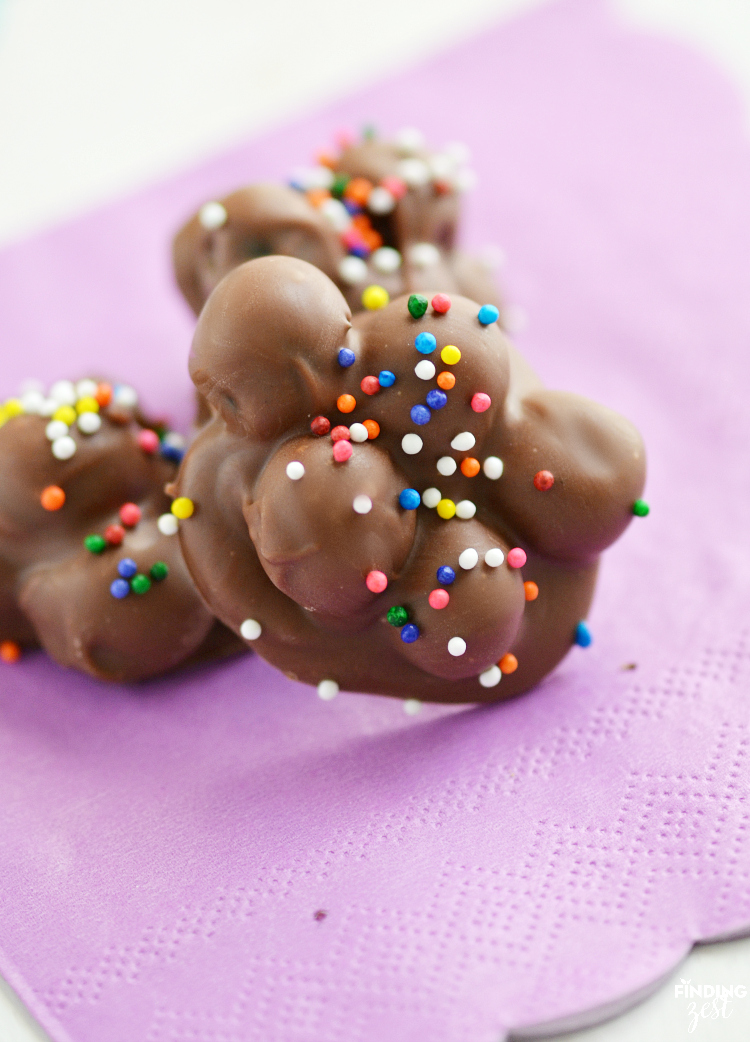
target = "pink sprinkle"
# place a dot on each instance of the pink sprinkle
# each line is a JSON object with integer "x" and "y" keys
{"x": 516, "y": 557}
{"x": 439, "y": 599}
{"x": 481, "y": 402}
{"x": 342, "y": 450}
{"x": 376, "y": 581}
{"x": 395, "y": 186}
{"x": 441, "y": 303}
{"x": 340, "y": 434}
{"x": 148, "y": 440}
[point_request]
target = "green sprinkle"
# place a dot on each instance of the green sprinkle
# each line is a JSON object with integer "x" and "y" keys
{"x": 95, "y": 543}
{"x": 340, "y": 182}
{"x": 417, "y": 305}
{"x": 397, "y": 615}
{"x": 641, "y": 508}
{"x": 369, "y": 132}
{"x": 158, "y": 571}
{"x": 140, "y": 584}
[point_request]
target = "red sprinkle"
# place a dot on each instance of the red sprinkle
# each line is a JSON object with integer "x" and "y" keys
{"x": 370, "y": 385}
{"x": 148, "y": 440}
{"x": 441, "y": 303}
{"x": 481, "y": 402}
{"x": 342, "y": 450}
{"x": 376, "y": 582}
{"x": 543, "y": 480}
{"x": 130, "y": 514}
{"x": 320, "y": 425}
{"x": 516, "y": 557}
{"x": 114, "y": 534}
{"x": 438, "y": 599}
{"x": 340, "y": 434}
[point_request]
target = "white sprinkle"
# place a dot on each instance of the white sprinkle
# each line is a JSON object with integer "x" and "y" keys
{"x": 494, "y": 557}
{"x": 386, "y": 260}
{"x": 212, "y": 216}
{"x": 27, "y": 386}
{"x": 468, "y": 558}
{"x": 411, "y": 444}
{"x": 168, "y": 524}
{"x": 337, "y": 214}
{"x": 425, "y": 370}
{"x": 491, "y": 677}
{"x": 308, "y": 177}
{"x": 86, "y": 388}
{"x": 431, "y": 497}
{"x": 63, "y": 448}
{"x": 63, "y": 392}
{"x": 89, "y": 422}
{"x": 49, "y": 407}
{"x": 447, "y": 466}
{"x": 493, "y": 467}
{"x": 353, "y": 270}
{"x": 458, "y": 151}
{"x": 380, "y": 201}
{"x": 362, "y": 504}
{"x": 174, "y": 440}
{"x": 125, "y": 396}
{"x": 56, "y": 429}
{"x": 327, "y": 689}
{"x": 295, "y": 470}
{"x": 456, "y": 646}
{"x": 250, "y": 629}
{"x": 424, "y": 255}
{"x": 464, "y": 180}
{"x": 33, "y": 402}
{"x": 412, "y": 706}
{"x": 463, "y": 441}
{"x": 414, "y": 172}
{"x": 409, "y": 139}
{"x": 465, "y": 509}
{"x": 441, "y": 166}
{"x": 358, "y": 432}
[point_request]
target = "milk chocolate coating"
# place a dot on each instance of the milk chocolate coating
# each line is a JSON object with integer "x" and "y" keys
{"x": 55, "y": 593}
{"x": 294, "y": 555}
{"x": 267, "y": 219}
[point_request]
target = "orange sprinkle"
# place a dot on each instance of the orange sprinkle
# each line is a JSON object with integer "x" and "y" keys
{"x": 531, "y": 591}
{"x": 346, "y": 403}
{"x": 446, "y": 380}
{"x": 9, "y": 651}
{"x": 326, "y": 159}
{"x": 103, "y": 394}
{"x": 470, "y": 467}
{"x": 508, "y": 663}
{"x": 52, "y": 497}
{"x": 317, "y": 196}
{"x": 358, "y": 190}
{"x": 373, "y": 428}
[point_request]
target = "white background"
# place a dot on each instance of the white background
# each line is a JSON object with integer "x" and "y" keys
{"x": 98, "y": 98}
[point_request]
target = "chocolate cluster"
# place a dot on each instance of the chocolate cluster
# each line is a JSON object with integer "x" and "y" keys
{"x": 393, "y": 503}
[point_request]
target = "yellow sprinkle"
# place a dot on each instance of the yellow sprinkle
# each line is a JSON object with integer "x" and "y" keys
{"x": 375, "y": 297}
{"x": 66, "y": 413}
{"x": 3, "y": 415}
{"x": 446, "y": 508}
{"x": 450, "y": 355}
{"x": 87, "y": 405}
{"x": 183, "y": 507}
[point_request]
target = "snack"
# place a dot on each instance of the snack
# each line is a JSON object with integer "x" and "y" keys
{"x": 89, "y": 564}
{"x": 380, "y": 212}
{"x": 394, "y": 503}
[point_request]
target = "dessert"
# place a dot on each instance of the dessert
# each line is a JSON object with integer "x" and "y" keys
{"x": 394, "y": 503}
{"x": 379, "y": 212}
{"x": 90, "y": 568}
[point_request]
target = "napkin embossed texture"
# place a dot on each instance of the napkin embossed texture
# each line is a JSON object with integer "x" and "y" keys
{"x": 219, "y": 855}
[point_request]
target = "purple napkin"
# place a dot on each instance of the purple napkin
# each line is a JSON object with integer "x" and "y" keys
{"x": 220, "y": 855}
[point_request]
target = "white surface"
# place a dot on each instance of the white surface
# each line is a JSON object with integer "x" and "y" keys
{"x": 98, "y": 98}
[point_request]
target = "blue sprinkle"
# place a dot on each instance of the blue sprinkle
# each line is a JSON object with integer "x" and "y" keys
{"x": 583, "y": 635}
{"x": 409, "y": 633}
{"x": 386, "y": 378}
{"x": 127, "y": 568}
{"x": 445, "y": 574}
{"x": 119, "y": 589}
{"x": 172, "y": 452}
{"x": 488, "y": 314}
{"x": 346, "y": 357}
{"x": 420, "y": 414}
{"x": 297, "y": 185}
{"x": 425, "y": 343}
{"x": 352, "y": 207}
{"x": 409, "y": 499}
{"x": 359, "y": 250}
{"x": 436, "y": 399}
